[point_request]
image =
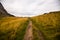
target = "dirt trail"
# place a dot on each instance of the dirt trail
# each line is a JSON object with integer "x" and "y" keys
{"x": 29, "y": 33}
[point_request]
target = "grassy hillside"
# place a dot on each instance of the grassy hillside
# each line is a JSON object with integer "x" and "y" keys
{"x": 48, "y": 25}
{"x": 12, "y": 28}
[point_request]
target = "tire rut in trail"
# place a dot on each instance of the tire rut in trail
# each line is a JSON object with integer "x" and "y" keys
{"x": 41, "y": 35}
{"x": 38, "y": 33}
{"x": 29, "y": 33}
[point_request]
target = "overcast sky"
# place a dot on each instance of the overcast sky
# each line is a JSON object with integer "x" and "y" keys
{"x": 30, "y": 7}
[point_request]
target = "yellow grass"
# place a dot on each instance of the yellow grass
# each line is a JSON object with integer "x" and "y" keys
{"x": 49, "y": 24}
{"x": 12, "y": 25}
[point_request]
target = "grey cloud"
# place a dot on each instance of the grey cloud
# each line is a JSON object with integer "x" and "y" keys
{"x": 27, "y": 14}
{"x": 30, "y": 7}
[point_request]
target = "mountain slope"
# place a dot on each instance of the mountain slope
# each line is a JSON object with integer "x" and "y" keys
{"x": 3, "y": 12}
{"x": 48, "y": 25}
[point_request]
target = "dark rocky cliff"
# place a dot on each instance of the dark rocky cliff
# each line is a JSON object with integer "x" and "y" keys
{"x": 3, "y": 12}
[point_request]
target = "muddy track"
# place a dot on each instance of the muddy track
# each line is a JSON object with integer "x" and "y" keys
{"x": 29, "y": 34}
